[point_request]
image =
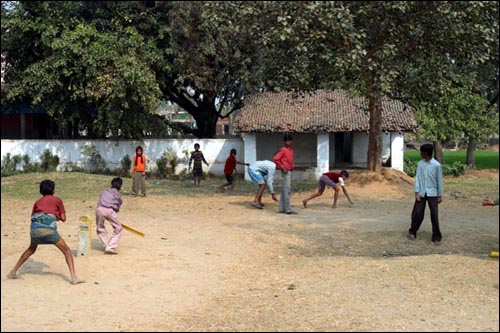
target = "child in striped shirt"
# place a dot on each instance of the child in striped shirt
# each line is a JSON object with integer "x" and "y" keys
{"x": 197, "y": 157}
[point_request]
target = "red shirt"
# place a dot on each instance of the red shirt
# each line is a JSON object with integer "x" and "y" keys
{"x": 230, "y": 165}
{"x": 49, "y": 204}
{"x": 334, "y": 176}
{"x": 284, "y": 159}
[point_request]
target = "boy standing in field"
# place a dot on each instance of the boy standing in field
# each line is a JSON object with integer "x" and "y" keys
{"x": 43, "y": 230}
{"x": 285, "y": 162}
{"x": 138, "y": 172}
{"x": 197, "y": 157}
{"x": 331, "y": 180}
{"x": 230, "y": 170}
{"x": 108, "y": 206}
{"x": 428, "y": 188}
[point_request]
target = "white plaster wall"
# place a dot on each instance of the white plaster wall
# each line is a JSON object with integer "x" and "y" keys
{"x": 250, "y": 143}
{"x": 397, "y": 151}
{"x": 323, "y": 155}
{"x": 215, "y": 151}
{"x": 304, "y": 147}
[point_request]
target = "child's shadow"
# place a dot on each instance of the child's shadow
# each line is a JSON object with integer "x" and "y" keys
{"x": 36, "y": 267}
{"x": 97, "y": 245}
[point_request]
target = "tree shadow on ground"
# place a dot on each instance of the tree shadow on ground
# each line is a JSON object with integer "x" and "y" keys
{"x": 389, "y": 244}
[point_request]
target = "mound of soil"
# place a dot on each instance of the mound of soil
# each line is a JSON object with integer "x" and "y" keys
{"x": 385, "y": 177}
{"x": 387, "y": 182}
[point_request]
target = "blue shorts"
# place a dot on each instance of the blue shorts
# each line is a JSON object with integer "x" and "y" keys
{"x": 43, "y": 229}
{"x": 256, "y": 177}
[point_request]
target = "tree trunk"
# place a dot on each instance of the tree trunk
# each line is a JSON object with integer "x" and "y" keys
{"x": 206, "y": 121}
{"x": 375, "y": 133}
{"x": 203, "y": 112}
{"x": 438, "y": 151}
{"x": 470, "y": 159}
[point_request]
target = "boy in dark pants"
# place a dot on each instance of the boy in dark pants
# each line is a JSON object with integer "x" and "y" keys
{"x": 428, "y": 188}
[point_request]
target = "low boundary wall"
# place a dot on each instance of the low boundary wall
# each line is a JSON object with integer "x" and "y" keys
{"x": 215, "y": 151}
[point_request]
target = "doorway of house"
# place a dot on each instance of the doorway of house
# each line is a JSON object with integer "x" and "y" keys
{"x": 343, "y": 147}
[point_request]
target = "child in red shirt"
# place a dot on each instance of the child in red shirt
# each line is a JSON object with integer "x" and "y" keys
{"x": 229, "y": 168}
{"x": 46, "y": 211}
{"x": 285, "y": 162}
{"x": 331, "y": 180}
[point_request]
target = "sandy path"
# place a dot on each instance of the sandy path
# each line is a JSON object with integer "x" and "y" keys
{"x": 213, "y": 263}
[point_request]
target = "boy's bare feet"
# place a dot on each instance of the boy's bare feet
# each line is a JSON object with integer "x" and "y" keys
{"x": 256, "y": 205}
{"x": 304, "y": 203}
{"x": 77, "y": 281}
{"x": 13, "y": 275}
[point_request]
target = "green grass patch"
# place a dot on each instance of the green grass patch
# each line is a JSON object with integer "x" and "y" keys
{"x": 485, "y": 159}
{"x": 69, "y": 185}
{"x": 84, "y": 186}
{"x": 472, "y": 188}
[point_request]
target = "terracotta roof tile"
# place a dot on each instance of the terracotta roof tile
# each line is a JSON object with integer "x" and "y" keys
{"x": 321, "y": 111}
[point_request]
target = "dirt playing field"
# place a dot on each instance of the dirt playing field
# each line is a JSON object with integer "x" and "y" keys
{"x": 211, "y": 262}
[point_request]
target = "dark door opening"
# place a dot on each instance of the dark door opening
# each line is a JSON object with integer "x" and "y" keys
{"x": 343, "y": 147}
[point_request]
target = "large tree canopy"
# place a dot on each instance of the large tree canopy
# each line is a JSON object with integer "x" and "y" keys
{"x": 87, "y": 74}
{"x": 107, "y": 64}
{"x": 380, "y": 43}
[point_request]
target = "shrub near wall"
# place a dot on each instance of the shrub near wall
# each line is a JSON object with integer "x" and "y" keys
{"x": 456, "y": 169}
{"x": 49, "y": 161}
{"x": 125, "y": 166}
{"x": 9, "y": 165}
{"x": 12, "y": 165}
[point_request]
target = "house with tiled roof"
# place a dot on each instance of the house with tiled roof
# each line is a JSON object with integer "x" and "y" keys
{"x": 330, "y": 129}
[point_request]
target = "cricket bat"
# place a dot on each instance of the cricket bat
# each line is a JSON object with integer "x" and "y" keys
{"x": 132, "y": 230}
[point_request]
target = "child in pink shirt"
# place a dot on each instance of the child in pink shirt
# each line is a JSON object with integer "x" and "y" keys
{"x": 108, "y": 206}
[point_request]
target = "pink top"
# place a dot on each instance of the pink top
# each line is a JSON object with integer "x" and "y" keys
{"x": 284, "y": 159}
{"x": 110, "y": 198}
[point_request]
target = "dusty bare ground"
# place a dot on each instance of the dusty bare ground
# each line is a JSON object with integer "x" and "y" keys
{"x": 211, "y": 262}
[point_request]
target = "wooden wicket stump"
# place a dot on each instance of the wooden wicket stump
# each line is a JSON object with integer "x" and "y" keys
{"x": 84, "y": 235}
